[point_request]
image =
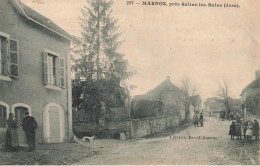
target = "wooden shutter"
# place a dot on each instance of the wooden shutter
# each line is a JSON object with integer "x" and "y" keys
{"x": 57, "y": 73}
{"x": 14, "y": 60}
{"x": 45, "y": 68}
{"x": 7, "y": 59}
{"x": 1, "y": 58}
{"x": 62, "y": 72}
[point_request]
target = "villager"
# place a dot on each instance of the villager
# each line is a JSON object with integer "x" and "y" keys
{"x": 196, "y": 120}
{"x": 244, "y": 128}
{"x": 231, "y": 116}
{"x": 232, "y": 130}
{"x": 222, "y": 115}
{"x": 249, "y": 131}
{"x": 11, "y": 141}
{"x": 256, "y": 129}
{"x": 201, "y": 120}
{"x": 238, "y": 131}
{"x": 238, "y": 118}
{"x": 29, "y": 125}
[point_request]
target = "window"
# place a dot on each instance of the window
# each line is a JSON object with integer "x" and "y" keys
{"x": 52, "y": 61}
{"x": 54, "y": 69}
{"x": 3, "y": 55}
{"x": 8, "y": 56}
{"x": 3, "y": 116}
{"x": 20, "y": 114}
{"x": 13, "y": 58}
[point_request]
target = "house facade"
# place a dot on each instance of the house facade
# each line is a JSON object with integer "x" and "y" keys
{"x": 34, "y": 72}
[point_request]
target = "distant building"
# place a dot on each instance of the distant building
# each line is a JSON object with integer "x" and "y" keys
{"x": 213, "y": 106}
{"x": 163, "y": 100}
{"x": 235, "y": 105}
{"x": 194, "y": 106}
{"x": 250, "y": 97}
{"x": 34, "y": 72}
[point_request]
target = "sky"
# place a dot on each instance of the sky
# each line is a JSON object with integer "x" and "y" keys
{"x": 203, "y": 44}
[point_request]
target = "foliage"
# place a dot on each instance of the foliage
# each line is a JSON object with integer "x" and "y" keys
{"x": 187, "y": 91}
{"x": 99, "y": 68}
{"x": 253, "y": 103}
{"x": 146, "y": 109}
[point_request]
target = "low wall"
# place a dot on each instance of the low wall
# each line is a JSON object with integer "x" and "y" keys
{"x": 149, "y": 126}
{"x": 133, "y": 128}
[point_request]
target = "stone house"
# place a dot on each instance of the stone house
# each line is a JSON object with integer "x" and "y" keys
{"x": 250, "y": 97}
{"x": 163, "y": 100}
{"x": 34, "y": 72}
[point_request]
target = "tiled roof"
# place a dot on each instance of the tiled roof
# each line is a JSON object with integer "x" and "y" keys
{"x": 254, "y": 84}
{"x": 215, "y": 104}
{"x": 39, "y": 19}
{"x": 165, "y": 86}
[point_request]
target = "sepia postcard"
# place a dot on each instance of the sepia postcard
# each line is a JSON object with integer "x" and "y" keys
{"x": 129, "y": 82}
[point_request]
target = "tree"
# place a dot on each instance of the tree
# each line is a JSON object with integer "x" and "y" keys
{"x": 99, "y": 68}
{"x": 187, "y": 91}
{"x": 223, "y": 95}
{"x": 253, "y": 103}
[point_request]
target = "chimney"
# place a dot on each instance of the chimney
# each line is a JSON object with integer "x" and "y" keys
{"x": 257, "y": 74}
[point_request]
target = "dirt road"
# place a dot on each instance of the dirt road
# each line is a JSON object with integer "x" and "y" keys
{"x": 210, "y": 144}
{"x": 203, "y": 145}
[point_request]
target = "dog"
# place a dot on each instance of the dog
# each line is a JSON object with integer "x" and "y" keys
{"x": 83, "y": 140}
{"x": 88, "y": 139}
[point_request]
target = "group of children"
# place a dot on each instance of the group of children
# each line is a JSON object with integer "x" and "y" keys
{"x": 246, "y": 130}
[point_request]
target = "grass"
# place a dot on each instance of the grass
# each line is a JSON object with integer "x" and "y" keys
{"x": 48, "y": 154}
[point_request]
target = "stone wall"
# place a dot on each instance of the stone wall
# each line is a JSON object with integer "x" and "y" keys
{"x": 133, "y": 128}
{"x": 149, "y": 126}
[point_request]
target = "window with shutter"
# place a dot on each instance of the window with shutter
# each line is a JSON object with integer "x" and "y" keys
{"x": 9, "y": 59}
{"x": 53, "y": 73}
{"x": 14, "y": 61}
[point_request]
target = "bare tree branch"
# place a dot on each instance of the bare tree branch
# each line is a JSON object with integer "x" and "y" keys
{"x": 223, "y": 95}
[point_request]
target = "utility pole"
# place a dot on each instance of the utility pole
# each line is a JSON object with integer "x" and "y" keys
{"x": 98, "y": 41}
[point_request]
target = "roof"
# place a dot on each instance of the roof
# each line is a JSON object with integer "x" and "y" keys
{"x": 236, "y": 101}
{"x": 165, "y": 86}
{"x": 211, "y": 99}
{"x": 39, "y": 19}
{"x": 139, "y": 97}
{"x": 215, "y": 104}
{"x": 254, "y": 84}
{"x": 194, "y": 99}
